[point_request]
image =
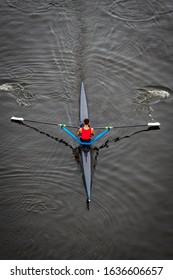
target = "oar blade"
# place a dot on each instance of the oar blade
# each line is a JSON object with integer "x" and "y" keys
{"x": 153, "y": 126}
{"x": 16, "y": 119}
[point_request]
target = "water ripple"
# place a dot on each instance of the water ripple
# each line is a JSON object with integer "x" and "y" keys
{"x": 20, "y": 73}
{"x": 137, "y": 10}
{"x": 156, "y": 47}
{"x": 133, "y": 10}
{"x": 39, "y": 6}
{"x": 38, "y": 194}
{"x": 43, "y": 202}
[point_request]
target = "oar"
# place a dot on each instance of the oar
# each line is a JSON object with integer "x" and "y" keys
{"x": 151, "y": 124}
{"x": 21, "y": 120}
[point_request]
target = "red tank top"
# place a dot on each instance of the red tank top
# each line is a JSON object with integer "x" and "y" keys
{"x": 86, "y": 134}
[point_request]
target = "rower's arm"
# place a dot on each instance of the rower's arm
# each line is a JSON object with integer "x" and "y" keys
{"x": 79, "y": 132}
{"x": 63, "y": 127}
{"x": 101, "y": 134}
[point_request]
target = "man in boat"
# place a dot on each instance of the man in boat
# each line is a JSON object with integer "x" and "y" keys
{"x": 85, "y": 132}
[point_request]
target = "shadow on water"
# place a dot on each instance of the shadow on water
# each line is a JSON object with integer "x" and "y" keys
{"x": 117, "y": 139}
{"x": 48, "y": 135}
{"x": 75, "y": 151}
{"x": 95, "y": 150}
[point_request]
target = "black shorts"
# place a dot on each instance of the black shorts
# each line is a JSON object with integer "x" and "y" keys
{"x": 85, "y": 140}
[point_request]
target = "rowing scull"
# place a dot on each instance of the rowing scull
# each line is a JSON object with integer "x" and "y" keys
{"x": 85, "y": 146}
{"x": 85, "y": 153}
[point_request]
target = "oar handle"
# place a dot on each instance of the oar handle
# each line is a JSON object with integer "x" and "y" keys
{"x": 66, "y": 125}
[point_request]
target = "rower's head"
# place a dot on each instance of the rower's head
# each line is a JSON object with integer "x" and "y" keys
{"x": 86, "y": 121}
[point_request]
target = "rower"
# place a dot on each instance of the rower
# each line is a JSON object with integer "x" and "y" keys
{"x": 85, "y": 132}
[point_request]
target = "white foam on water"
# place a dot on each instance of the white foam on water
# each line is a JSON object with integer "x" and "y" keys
{"x": 11, "y": 87}
{"x": 163, "y": 94}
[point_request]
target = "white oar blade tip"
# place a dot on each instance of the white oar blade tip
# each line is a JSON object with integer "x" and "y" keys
{"x": 154, "y": 124}
{"x": 15, "y": 119}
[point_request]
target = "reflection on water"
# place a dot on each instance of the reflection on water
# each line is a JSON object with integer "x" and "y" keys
{"x": 117, "y": 139}
{"x": 46, "y": 134}
{"x": 94, "y": 150}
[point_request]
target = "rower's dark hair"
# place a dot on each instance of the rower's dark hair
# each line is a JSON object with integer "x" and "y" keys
{"x": 86, "y": 121}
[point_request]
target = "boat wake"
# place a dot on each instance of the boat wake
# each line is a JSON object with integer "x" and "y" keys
{"x": 21, "y": 94}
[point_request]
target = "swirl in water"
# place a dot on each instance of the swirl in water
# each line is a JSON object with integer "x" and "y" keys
{"x": 22, "y": 95}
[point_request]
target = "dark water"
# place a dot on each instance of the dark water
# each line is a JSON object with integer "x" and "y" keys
{"x": 123, "y": 50}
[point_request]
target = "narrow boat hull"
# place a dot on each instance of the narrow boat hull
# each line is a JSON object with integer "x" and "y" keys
{"x": 85, "y": 150}
{"x": 87, "y": 171}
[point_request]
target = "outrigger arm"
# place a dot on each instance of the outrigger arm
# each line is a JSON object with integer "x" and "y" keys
{"x": 63, "y": 126}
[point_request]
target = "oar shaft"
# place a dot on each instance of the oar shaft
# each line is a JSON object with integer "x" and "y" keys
{"x": 124, "y": 126}
{"x": 136, "y": 125}
{"x": 40, "y": 122}
{"x": 153, "y": 124}
{"x": 16, "y": 119}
